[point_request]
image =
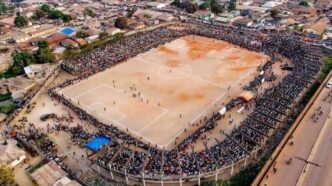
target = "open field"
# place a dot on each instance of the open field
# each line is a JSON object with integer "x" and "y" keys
{"x": 157, "y": 95}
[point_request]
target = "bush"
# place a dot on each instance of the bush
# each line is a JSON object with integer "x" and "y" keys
{"x": 4, "y": 97}
{"x": 7, "y": 107}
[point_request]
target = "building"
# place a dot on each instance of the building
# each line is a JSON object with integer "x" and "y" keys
{"x": 113, "y": 30}
{"x": 55, "y": 39}
{"x": 69, "y": 43}
{"x": 243, "y": 22}
{"x": 155, "y": 4}
{"x": 51, "y": 174}
{"x": 34, "y": 71}
{"x": 39, "y": 30}
{"x": 271, "y": 4}
{"x": 14, "y": 36}
{"x": 92, "y": 38}
{"x": 302, "y": 10}
{"x": 136, "y": 25}
{"x": 10, "y": 154}
{"x": 317, "y": 28}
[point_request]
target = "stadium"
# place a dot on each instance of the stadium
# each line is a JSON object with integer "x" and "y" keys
{"x": 188, "y": 101}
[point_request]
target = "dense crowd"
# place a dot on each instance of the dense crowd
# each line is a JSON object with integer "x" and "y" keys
{"x": 272, "y": 106}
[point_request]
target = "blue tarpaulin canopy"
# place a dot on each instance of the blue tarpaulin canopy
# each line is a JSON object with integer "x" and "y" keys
{"x": 96, "y": 143}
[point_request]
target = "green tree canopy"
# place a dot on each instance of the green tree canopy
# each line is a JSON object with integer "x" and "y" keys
{"x": 21, "y": 60}
{"x": 20, "y": 21}
{"x": 6, "y": 108}
{"x": 274, "y": 13}
{"x": 190, "y": 7}
{"x": 232, "y": 5}
{"x": 39, "y": 14}
{"x": 55, "y": 14}
{"x": 44, "y": 55}
{"x": 46, "y": 8}
{"x": 205, "y": 5}
{"x": 216, "y": 7}
{"x": 42, "y": 44}
{"x": 89, "y": 12}
{"x": 6, "y": 176}
{"x": 66, "y": 18}
{"x": 121, "y": 22}
{"x": 304, "y": 3}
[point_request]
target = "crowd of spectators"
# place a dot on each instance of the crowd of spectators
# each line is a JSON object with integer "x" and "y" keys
{"x": 271, "y": 108}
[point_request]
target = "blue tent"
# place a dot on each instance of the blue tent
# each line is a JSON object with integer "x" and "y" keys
{"x": 96, "y": 143}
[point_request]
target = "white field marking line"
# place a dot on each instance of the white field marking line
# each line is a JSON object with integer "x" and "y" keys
{"x": 204, "y": 111}
{"x": 88, "y": 91}
{"x": 153, "y": 121}
{"x": 125, "y": 128}
{"x": 161, "y": 67}
{"x": 122, "y": 115}
{"x": 117, "y": 123}
{"x": 184, "y": 74}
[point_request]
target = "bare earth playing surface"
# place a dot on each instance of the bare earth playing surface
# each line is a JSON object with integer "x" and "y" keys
{"x": 156, "y": 95}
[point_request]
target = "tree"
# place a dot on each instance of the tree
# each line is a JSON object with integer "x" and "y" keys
{"x": 148, "y": 16}
{"x": 3, "y": 8}
{"x": 81, "y": 34}
{"x": 217, "y": 8}
{"x": 46, "y": 8}
{"x": 176, "y": 3}
{"x": 20, "y": 21}
{"x": 38, "y": 14}
{"x": 89, "y": 12}
{"x": 66, "y": 18}
{"x": 190, "y": 7}
{"x": 42, "y": 44}
{"x": 304, "y": 3}
{"x": 131, "y": 12}
{"x": 6, "y": 176}
{"x": 205, "y": 5}
{"x": 232, "y": 5}
{"x": 121, "y": 22}
{"x": 21, "y": 60}
{"x": 44, "y": 55}
{"x": 6, "y": 108}
{"x": 274, "y": 13}
{"x": 54, "y": 14}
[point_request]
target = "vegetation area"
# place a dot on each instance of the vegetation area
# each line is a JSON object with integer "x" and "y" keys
{"x": 6, "y": 9}
{"x": 6, "y": 176}
{"x": 189, "y": 6}
{"x": 121, "y": 22}
{"x": 24, "y": 58}
{"x": 304, "y": 3}
{"x": 7, "y": 107}
{"x": 46, "y": 11}
{"x": 4, "y": 97}
{"x": 213, "y": 5}
{"x": 89, "y": 12}
{"x": 20, "y": 21}
{"x": 232, "y": 5}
